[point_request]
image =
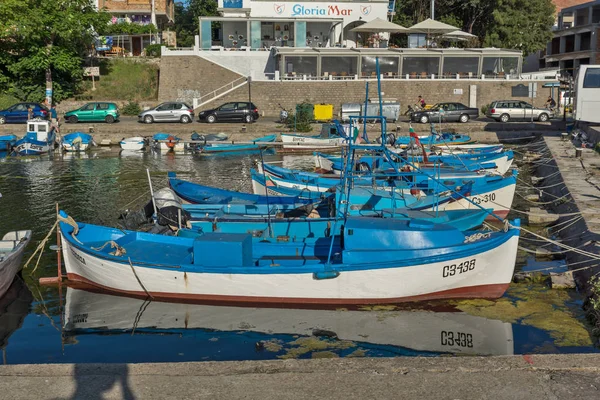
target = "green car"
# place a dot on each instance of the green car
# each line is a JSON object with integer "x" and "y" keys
{"x": 98, "y": 111}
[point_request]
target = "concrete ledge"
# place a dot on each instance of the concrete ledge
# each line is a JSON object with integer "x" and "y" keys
{"x": 511, "y": 377}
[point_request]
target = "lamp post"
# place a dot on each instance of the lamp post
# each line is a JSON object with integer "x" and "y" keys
{"x": 432, "y": 9}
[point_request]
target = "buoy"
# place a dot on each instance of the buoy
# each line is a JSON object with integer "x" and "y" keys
{"x": 414, "y": 191}
{"x": 170, "y": 142}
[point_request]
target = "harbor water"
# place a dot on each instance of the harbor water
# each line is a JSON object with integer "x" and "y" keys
{"x": 48, "y": 324}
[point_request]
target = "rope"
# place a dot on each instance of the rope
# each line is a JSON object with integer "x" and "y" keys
{"x": 542, "y": 202}
{"x": 40, "y": 249}
{"x": 113, "y": 245}
{"x": 138, "y": 279}
{"x": 70, "y": 221}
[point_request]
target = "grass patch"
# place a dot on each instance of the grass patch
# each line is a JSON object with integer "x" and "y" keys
{"x": 122, "y": 79}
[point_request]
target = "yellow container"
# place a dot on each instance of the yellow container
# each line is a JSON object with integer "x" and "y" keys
{"x": 323, "y": 112}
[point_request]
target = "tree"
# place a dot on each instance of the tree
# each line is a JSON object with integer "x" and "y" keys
{"x": 186, "y": 19}
{"x": 42, "y": 45}
{"x": 521, "y": 24}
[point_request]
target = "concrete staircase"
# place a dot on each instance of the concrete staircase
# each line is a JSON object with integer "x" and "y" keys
{"x": 220, "y": 92}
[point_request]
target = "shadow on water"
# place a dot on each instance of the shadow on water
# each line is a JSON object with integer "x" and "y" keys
{"x": 93, "y": 383}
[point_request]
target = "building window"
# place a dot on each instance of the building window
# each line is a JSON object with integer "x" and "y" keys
{"x": 493, "y": 66}
{"x": 420, "y": 66}
{"x": 339, "y": 66}
{"x": 300, "y": 65}
{"x": 387, "y": 65}
{"x": 461, "y": 65}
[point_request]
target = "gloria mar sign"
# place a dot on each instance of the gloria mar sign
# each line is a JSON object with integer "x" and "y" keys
{"x": 349, "y": 11}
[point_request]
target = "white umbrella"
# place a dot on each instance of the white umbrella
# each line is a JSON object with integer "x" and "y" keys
{"x": 430, "y": 26}
{"x": 459, "y": 35}
{"x": 379, "y": 25}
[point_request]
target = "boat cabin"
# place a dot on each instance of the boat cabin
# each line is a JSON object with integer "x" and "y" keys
{"x": 39, "y": 128}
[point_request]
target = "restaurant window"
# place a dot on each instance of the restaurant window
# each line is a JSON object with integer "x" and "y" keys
{"x": 420, "y": 66}
{"x": 387, "y": 66}
{"x": 300, "y": 65}
{"x": 493, "y": 66}
{"x": 461, "y": 65}
{"x": 339, "y": 66}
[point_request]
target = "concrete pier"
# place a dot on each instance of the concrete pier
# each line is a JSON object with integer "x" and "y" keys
{"x": 514, "y": 377}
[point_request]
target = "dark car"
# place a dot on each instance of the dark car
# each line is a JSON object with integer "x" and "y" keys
{"x": 234, "y": 111}
{"x": 18, "y": 113}
{"x": 449, "y": 112}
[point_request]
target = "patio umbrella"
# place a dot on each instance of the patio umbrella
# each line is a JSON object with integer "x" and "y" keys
{"x": 430, "y": 26}
{"x": 458, "y": 35}
{"x": 379, "y": 25}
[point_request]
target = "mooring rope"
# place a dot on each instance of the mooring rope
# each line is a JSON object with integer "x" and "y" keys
{"x": 40, "y": 249}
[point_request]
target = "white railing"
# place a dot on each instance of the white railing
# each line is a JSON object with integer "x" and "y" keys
{"x": 221, "y": 91}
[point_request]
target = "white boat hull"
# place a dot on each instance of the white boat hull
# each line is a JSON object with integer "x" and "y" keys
{"x": 419, "y": 330}
{"x": 489, "y": 278}
{"x": 133, "y": 144}
{"x": 297, "y": 142}
{"x": 74, "y": 148}
{"x": 31, "y": 149}
{"x": 12, "y": 247}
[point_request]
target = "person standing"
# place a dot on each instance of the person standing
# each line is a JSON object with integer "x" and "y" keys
{"x": 29, "y": 113}
{"x": 54, "y": 117}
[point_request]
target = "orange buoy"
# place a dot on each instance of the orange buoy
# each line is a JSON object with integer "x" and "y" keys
{"x": 171, "y": 142}
{"x": 414, "y": 191}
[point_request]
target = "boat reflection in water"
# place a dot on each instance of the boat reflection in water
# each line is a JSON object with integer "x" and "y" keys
{"x": 14, "y": 307}
{"x": 375, "y": 332}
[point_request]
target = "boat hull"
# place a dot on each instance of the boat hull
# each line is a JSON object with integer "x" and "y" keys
{"x": 10, "y": 264}
{"x": 304, "y": 143}
{"x": 33, "y": 149}
{"x": 490, "y": 277}
{"x": 74, "y": 148}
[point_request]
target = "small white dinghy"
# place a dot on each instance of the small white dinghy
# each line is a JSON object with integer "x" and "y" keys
{"x": 135, "y": 143}
{"x": 12, "y": 247}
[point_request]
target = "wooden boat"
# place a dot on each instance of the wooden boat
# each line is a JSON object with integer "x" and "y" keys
{"x": 196, "y": 193}
{"x": 418, "y": 330}
{"x": 498, "y": 163}
{"x": 435, "y": 139}
{"x": 496, "y": 194}
{"x": 7, "y": 142}
{"x": 12, "y": 247}
{"x": 167, "y": 142}
{"x": 416, "y": 261}
{"x": 136, "y": 143}
{"x": 76, "y": 141}
{"x": 332, "y": 136}
{"x": 228, "y": 148}
{"x": 39, "y": 139}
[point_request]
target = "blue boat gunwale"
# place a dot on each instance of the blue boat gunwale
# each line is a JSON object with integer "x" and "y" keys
{"x": 464, "y": 250}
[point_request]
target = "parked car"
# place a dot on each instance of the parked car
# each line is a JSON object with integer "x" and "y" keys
{"x": 97, "y": 111}
{"x": 449, "y": 112}
{"x": 18, "y": 113}
{"x": 506, "y": 110}
{"x": 169, "y": 111}
{"x": 234, "y": 111}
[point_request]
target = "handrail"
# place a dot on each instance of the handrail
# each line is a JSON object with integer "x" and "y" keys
{"x": 227, "y": 86}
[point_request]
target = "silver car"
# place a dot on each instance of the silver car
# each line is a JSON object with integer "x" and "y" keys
{"x": 506, "y": 110}
{"x": 168, "y": 112}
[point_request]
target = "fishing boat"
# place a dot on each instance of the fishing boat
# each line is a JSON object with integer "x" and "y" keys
{"x": 77, "y": 141}
{"x": 495, "y": 193}
{"x": 418, "y": 330}
{"x": 435, "y": 139}
{"x": 229, "y": 148}
{"x": 167, "y": 142}
{"x": 12, "y": 247}
{"x": 332, "y": 136}
{"x": 7, "y": 142}
{"x": 196, "y": 193}
{"x": 39, "y": 139}
{"x": 416, "y": 261}
{"x": 136, "y": 143}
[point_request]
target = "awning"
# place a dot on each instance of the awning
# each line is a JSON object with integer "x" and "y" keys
{"x": 430, "y": 26}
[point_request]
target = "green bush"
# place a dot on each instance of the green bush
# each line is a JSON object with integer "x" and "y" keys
{"x": 300, "y": 122}
{"x": 124, "y": 28}
{"x": 131, "y": 108}
{"x": 153, "y": 50}
{"x": 485, "y": 108}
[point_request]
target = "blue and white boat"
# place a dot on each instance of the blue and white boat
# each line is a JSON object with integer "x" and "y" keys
{"x": 416, "y": 261}
{"x": 77, "y": 141}
{"x": 436, "y": 139}
{"x": 167, "y": 142}
{"x": 241, "y": 148}
{"x": 196, "y": 193}
{"x": 7, "y": 142}
{"x": 39, "y": 139}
